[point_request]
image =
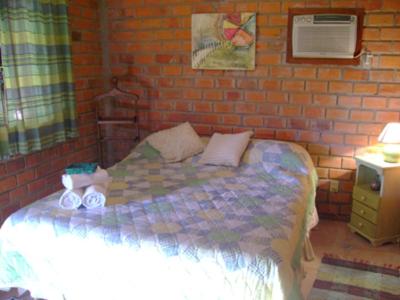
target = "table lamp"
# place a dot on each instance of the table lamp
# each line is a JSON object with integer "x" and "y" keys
{"x": 390, "y": 137}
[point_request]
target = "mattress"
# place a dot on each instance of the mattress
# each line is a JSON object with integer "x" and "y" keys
{"x": 171, "y": 231}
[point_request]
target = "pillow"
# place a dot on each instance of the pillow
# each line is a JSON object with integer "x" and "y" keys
{"x": 177, "y": 143}
{"x": 226, "y": 149}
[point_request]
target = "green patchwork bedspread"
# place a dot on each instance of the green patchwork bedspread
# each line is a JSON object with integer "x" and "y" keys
{"x": 171, "y": 231}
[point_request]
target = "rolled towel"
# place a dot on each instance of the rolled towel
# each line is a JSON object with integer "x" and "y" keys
{"x": 95, "y": 196}
{"x": 76, "y": 181}
{"x": 71, "y": 199}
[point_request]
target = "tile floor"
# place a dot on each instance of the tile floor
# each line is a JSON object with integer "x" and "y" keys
{"x": 331, "y": 237}
{"x": 334, "y": 237}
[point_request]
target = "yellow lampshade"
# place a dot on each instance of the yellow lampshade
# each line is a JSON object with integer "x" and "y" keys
{"x": 390, "y": 136}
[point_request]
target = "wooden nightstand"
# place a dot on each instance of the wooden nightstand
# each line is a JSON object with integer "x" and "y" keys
{"x": 376, "y": 214}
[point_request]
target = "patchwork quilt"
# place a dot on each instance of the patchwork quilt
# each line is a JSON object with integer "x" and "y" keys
{"x": 171, "y": 231}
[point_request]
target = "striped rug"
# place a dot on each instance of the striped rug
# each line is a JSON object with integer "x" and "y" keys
{"x": 343, "y": 279}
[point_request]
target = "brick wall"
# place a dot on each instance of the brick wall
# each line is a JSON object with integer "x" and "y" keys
{"x": 331, "y": 110}
{"x": 27, "y": 178}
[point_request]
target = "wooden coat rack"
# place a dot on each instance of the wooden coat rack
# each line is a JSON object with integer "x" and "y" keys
{"x": 116, "y": 107}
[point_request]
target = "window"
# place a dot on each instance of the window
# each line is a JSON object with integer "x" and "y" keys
{"x": 38, "y": 102}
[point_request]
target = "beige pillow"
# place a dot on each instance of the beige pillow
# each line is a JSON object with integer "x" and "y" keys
{"x": 177, "y": 143}
{"x": 226, "y": 149}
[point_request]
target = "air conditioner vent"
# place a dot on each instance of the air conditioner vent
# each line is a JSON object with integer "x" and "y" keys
{"x": 333, "y": 36}
{"x": 321, "y": 19}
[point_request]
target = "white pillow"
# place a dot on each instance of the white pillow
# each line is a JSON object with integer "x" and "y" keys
{"x": 177, "y": 143}
{"x": 226, "y": 149}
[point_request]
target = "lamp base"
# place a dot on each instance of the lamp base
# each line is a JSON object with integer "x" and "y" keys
{"x": 391, "y": 153}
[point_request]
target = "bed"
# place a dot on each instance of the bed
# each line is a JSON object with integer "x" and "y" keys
{"x": 172, "y": 231}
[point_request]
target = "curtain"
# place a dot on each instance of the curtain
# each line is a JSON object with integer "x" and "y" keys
{"x": 38, "y": 103}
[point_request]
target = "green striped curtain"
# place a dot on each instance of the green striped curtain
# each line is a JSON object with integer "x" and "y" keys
{"x": 38, "y": 103}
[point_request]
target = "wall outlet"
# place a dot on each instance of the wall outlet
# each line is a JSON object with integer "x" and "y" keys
{"x": 334, "y": 186}
{"x": 367, "y": 59}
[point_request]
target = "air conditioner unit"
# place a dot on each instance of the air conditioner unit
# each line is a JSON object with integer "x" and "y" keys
{"x": 324, "y": 36}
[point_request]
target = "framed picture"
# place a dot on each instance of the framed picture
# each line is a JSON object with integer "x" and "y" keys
{"x": 224, "y": 41}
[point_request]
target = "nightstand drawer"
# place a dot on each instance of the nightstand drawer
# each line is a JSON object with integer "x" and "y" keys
{"x": 363, "y": 194}
{"x": 365, "y": 212}
{"x": 363, "y": 225}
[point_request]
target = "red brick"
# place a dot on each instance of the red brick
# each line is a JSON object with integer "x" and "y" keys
{"x": 330, "y": 161}
{"x": 255, "y": 96}
{"x": 309, "y": 136}
{"x": 322, "y": 172}
{"x": 369, "y": 128}
{"x": 26, "y": 176}
{"x": 340, "y": 174}
{"x": 290, "y": 110}
{"x": 390, "y": 34}
{"x": 391, "y": 62}
{"x": 15, "y": 165}
{"x": 293, "y": 85}
{"x": 387, "y": 116}
{"x": 202, "y": 107}
{"x": 351, "y": 75}
{"x": 247, "y": 84}
{"x": 389, "y": 89}
{"x": 361, "y": 115}
{"x": 335, "y": 113}
{"x": 253, "y": 121}
{"x": 374, "y": 102}
{"x": 7, "y": 183}
{"x": 318, "y": 149}
{"x": 314, "y": 112}
{"x": 329, "y": 73}
{"x": 339, "y": 150}
{"x": 172, "y": 70}
{"x": 19, "y": 193}
{"x": 269, "y": 59}
{"x": 300, "y": 98}
{"x": 273, "y": 122}
{"x": 204, "y": 83}
{"x": 349, "y": 101}
{"x": 340, "y": 87}
{"x": 277, "y": 97}
{"x": 225, "y": 83}
{"x": 262, "y": 133}
{"x": 245, "y": 108}
{"x": 270, "y": 7}
{"x": 297, "y": 123}
{"x": 325, "y": 100}
{"x": 231, "y": 119}
{"x": 380, "y": 20}
{"x": 348, "y": 163}
{"x": 281, "y": 71}
{"x": 212, "y": 95}
{"x": 365, "y": 88}
{"x": 332, "y": 138}
{"x": 357, "y": 140}
{"x": 371, "y": 34}
{"x": 317, "y": 86}
{"x": 285, "y": 135}
{"x": 345, "y": 127}
{"x": 305, "y": 73}
{"x": 391, "y": 5}
{"x": 382, "y": 75}
{"x": 233, "y": 96}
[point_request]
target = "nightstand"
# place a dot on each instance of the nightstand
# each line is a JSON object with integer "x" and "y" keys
{"x": 376, "y": 214}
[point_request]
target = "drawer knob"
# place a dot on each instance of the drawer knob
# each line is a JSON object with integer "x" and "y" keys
{"x": 363, "y": 198}
{"x": 362, "y": 211}
{"x": 360, "y": 224}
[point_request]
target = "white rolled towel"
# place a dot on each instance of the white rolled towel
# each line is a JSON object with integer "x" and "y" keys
{"x": 95, "y": 196}
{"x": 76, "y": 181}
{"x": 71, "y": 199}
